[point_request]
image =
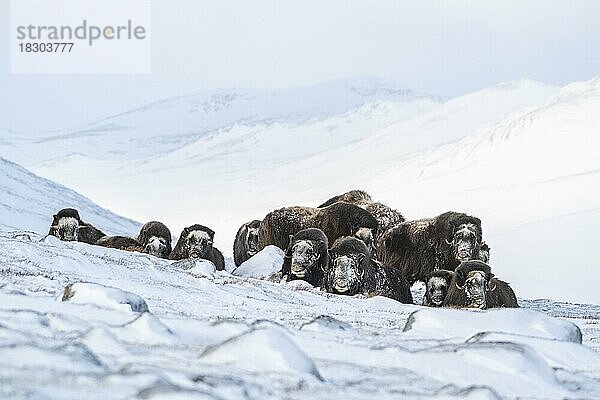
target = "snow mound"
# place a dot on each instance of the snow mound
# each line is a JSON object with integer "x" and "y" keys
{"x": 450, "y": 323}
{"x": 103, "y": 296}
{"x": 263, "y": 264}
{"x": 558, "y": 354}
{"x": 327, "y": 323}
{"x": 146, "y": 329}
{"x": 197, "y": 267}
{"x": 263, "y": 349}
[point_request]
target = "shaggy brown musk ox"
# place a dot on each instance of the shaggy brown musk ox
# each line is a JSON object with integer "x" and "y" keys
{"x": 474, "y": 286}
{"x": 386, "y": 216}
{"x": 337, "y": 220}
{"x": 352, "y": 271}
{"x": 68, "y": 226}
{"x": 155, "y": 239}
{"x": 419, "y": 247}
{"x": 196, "y": 241}
{"x": 306, "y": 257}
{"x": 245, "y": 244}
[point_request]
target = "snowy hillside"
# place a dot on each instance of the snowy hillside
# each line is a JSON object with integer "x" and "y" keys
{"x": 521, "y": 155}
{"x": 229, "y": 337}
{"x": 29, "y": 201}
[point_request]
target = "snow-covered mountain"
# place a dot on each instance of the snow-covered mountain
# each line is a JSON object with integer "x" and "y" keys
{"x": 517, "y": 154}
{"x": 29, "y": 201}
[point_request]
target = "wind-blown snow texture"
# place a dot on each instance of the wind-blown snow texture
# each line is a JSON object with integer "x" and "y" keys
{"x": 229, "y": 337}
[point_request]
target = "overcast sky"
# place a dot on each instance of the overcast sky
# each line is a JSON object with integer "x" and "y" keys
{"x": 444, "y": 48}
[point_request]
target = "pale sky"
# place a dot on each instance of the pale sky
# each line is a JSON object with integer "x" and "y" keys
{"x": 444, "y": 48}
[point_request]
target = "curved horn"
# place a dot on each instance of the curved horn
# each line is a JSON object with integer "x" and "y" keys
{"x": 490, "y": 286}
{"x": 459, "y": 287}
{"x": 449, "y": 243}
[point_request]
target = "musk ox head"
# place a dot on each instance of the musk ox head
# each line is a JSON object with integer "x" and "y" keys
{"x": 305, "y": 257}
{"x": 474, "y": 279}
{"x": 155, "y": 239}
{"x": 465, "y": 242}
{"x": 198, "y": 241}
{"x": 346, "y": 269}
{"x": 157, "y": 246}
{"x": 484, "y": 253}
{"x": 436, "y": 287}
{"x": 252, "y": 240}
{"x": 65, "y": 224}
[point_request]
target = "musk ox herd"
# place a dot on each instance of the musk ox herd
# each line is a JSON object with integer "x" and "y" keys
{"x": 348, "y": 245}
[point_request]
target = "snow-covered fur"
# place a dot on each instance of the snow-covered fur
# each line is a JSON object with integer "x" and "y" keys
{"x": 68, "y": 226}
{"x": 196, "y": 241}
{"x": 474, "y": 286}
{"x": 337, "y": 220}
{"x": 436, "y": 287}
{"x": 155, "y": 239}
{"x": 120, "y": 242}
{"x": 386, "y": 217}
{"x": 306, "y": 257}
{"x": 245, "y": 244}
{"x": 352, "y": 271}
{"x": 419, "y": 247}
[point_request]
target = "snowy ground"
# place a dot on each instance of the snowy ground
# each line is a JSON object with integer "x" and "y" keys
{"x": 231, "y": 337}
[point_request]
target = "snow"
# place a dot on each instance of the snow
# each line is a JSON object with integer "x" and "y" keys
{"x": 263, "y": 264}
{"x": 104, "y": 296}
{"x": 233, "y": 337}
{"x": 521, "y": 155}
{"x": 29, "y": 201}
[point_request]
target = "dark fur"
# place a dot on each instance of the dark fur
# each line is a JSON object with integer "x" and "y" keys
{"x": 241, "y": 246}
{"x": 501, "y": 294}
{"x": 320, "y": 244}
{"x": 443, "y": 274}
{"x": 420, "y": 247}
{"x": 212, "y": 254}
{"x": 375, "y": 278}
{"x": 337, "y": 220}
{"x": 158, "y": 229}
{"x": 386, "y": 216}
{"x": 120, "y": 243}
{"x": 86, "y": 233}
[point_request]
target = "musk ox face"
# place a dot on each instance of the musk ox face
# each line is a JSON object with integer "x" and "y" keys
{"x": 66, "y": 229}
{"x": 436, "y": 290}
{"x": 252, "y": 240}
{"x": 305, "y": 259}
{"x": 345, "y": 273}
{"x": 157, "y": 246}
{"x": 465, "y": 243}
{"x": 198, "y": 244}
{"x": 476, "y": 287}
{"x": 484, "y": 253}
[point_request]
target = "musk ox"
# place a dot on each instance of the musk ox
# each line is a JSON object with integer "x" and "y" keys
{"x": 196, "y": 241}
{"x": 474, "y": 286}
{"x": 68, "y": 226}
{"x": 386, "y": 216}
{"x": 245, "y": 244}
{"x": 436, "y": 287}
{"x": 306, "y": 257}
{"x": 352, "y": 271}
{"x": 337, "y": 220}
{"x": 419, "y": 247}
{"x": 155, "y": 239}
{"x": 120, "y": 243}
{"x": 484, "y": 253}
